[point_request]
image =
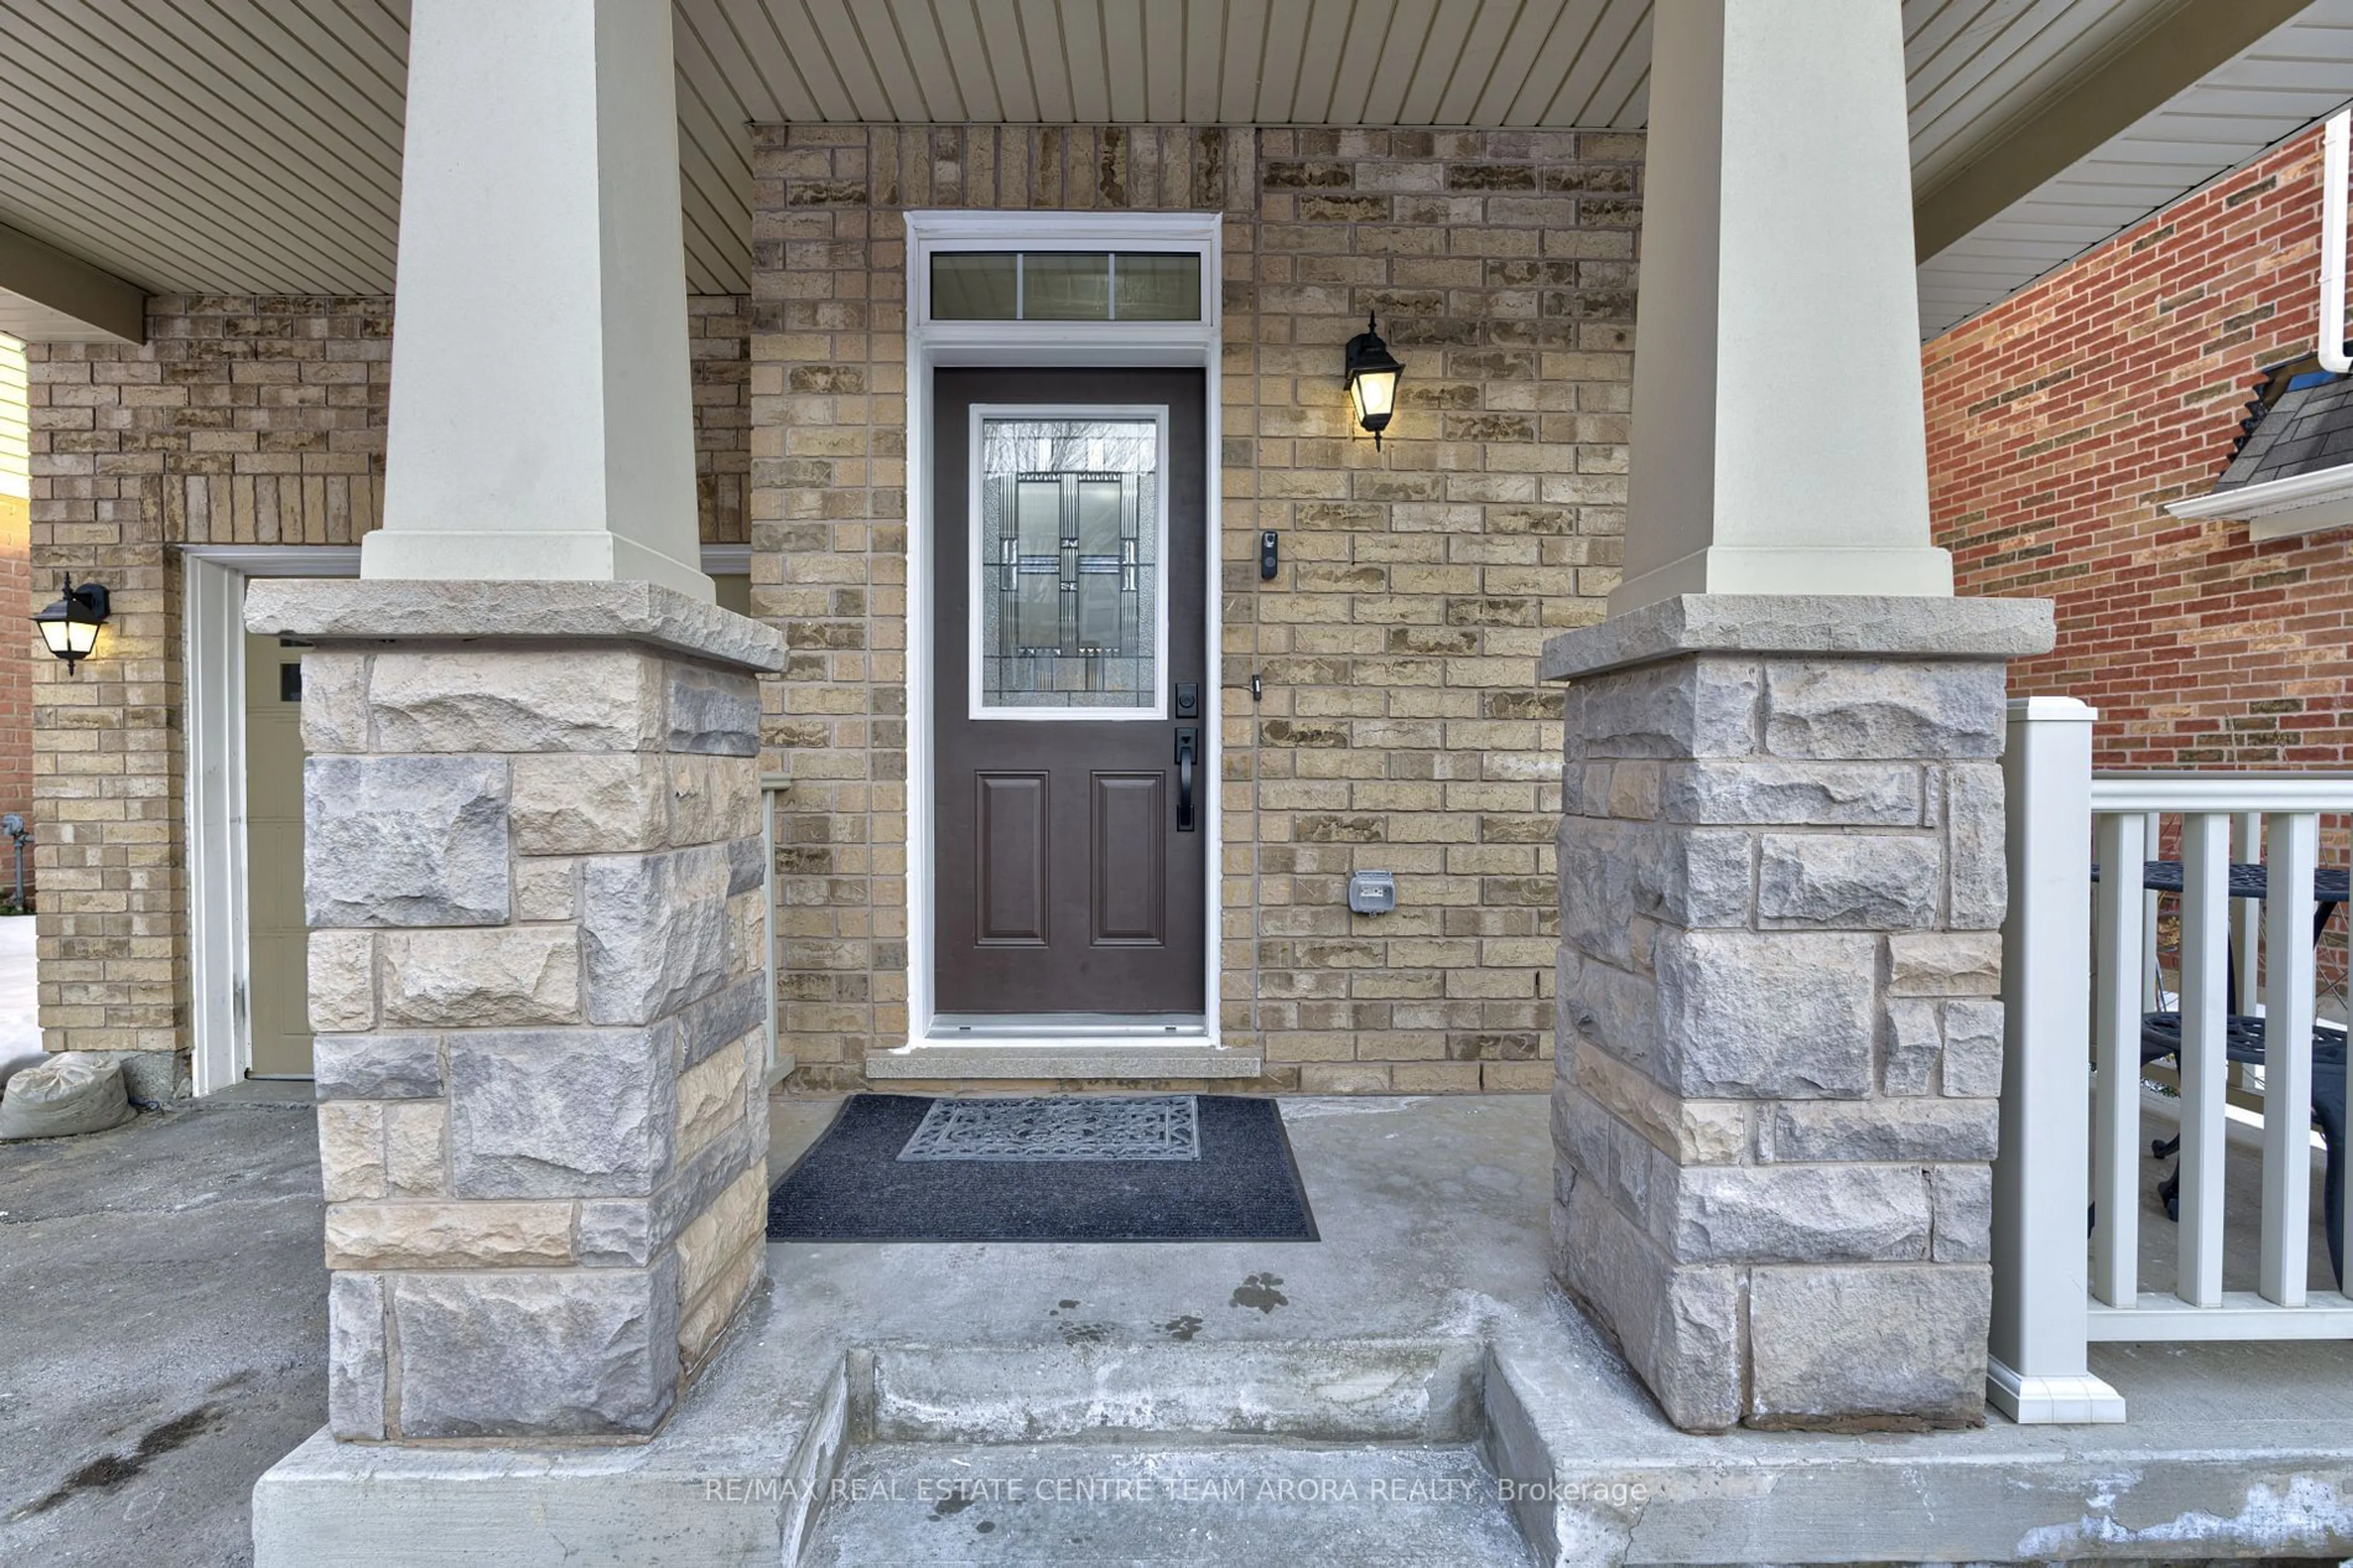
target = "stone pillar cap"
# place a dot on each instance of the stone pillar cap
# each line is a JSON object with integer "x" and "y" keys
{"x": 346, "y": 609}
{"x": 1816, "y": 625}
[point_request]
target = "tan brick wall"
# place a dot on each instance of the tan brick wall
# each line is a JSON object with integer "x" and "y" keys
{"x": 242, "y": 420}
{"x": 718, "y": 330}
{"x": 1401, "y": 726}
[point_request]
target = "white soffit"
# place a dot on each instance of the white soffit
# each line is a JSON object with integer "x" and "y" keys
{"x": 2297, "y": 74}
{"x": 253, "y": 146}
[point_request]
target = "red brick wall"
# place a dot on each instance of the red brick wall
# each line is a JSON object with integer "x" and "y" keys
{"x": 2061, "y": 419}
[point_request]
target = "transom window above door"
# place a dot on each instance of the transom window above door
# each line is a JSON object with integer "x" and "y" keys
{"x": 1067, "y": 562}
{"x": 1066, "y": 286}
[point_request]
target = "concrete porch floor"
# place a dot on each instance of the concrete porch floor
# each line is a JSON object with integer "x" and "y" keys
{"x": 1420, "y": 1336}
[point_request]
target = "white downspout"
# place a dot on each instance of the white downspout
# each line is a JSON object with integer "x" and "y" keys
{"x": 2333, "y": 357}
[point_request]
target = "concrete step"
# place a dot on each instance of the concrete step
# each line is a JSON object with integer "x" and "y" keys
{"x": 1100, "y": 1504}
{"x": 1422, "y": 1392}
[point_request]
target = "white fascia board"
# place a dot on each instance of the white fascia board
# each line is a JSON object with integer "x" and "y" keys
{"x": 2279, "y": 508}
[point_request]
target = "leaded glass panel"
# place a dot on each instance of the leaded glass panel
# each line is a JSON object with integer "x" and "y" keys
{"x": 1069, "y": 540}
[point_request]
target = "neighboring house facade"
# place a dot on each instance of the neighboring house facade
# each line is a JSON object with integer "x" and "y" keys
{"x": 2065, "y": 421}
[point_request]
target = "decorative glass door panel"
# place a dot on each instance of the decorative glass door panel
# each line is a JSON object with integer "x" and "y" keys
{"x": 1067, "y": 565}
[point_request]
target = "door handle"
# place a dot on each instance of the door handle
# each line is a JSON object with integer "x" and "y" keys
{"x": 1188, "y": 758}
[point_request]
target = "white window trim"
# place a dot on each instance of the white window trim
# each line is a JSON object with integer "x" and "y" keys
{"x": 975, "y": 571}
{"x": 212, "y": 653}
{"x": 931, "y": 345}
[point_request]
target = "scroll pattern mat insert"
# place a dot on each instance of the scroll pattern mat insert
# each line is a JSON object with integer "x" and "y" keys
{"x": 1073, "y": 1126}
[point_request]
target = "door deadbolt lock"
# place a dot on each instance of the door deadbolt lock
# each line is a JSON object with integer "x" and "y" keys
{"x": 1189, "y": 765}
{"x": 1188, "y": 699}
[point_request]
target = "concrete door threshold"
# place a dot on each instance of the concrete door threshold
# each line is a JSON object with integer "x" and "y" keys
{"x": 1049, "y": 1056}
{"x": 1423, "y": 1321}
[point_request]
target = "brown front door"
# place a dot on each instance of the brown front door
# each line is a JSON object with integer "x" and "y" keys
{"x": 1072, "y": 709}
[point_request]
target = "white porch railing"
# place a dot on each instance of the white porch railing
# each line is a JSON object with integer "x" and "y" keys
{"x": 2072, "y": 1088}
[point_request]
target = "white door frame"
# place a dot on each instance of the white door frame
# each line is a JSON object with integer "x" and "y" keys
{"x": 213, "y": 628}
{"x": 219, "y": 955}
{"x": 1049, "y": 345}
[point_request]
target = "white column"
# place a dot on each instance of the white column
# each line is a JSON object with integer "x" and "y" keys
{"x": 1778, "y": 439}
{"x": 542, "y": 424}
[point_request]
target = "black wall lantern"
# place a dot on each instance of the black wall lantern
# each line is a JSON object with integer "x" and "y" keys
{"x": 1372, "y": 374}
{"x": 69, "y": 626}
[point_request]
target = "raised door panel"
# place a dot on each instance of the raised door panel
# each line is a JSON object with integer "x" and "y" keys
{"x": 1009, "y": 874}
{"x": 1128, "y": 903}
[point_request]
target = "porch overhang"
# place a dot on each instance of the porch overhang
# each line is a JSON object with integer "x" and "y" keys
{"x": 2036, "y": 131}
{"x": 49, "y": 296}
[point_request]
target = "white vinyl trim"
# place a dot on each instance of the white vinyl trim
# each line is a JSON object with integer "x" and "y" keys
{"x": 219, "y": 951}
{"x": 2221, "y": 792}
{"x": 219, "y": 1048}
{"x": 981, "y": 413}
{"x": 931, "y": 346}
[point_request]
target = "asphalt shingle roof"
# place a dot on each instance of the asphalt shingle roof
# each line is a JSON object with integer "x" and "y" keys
{"x": 2308, "y": 429}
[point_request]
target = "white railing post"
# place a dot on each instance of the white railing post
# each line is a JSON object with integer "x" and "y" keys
{"x": 2039, "y": 1371}
{"x": 2122, "y": 928}
{"x": 2205, "y": 1068}
{"x": 2294, "y": 854}
{"x": 2246, "y": 922}
{"x": 2153, "y": 997}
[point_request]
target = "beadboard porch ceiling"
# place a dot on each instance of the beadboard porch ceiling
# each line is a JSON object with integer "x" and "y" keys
{"x": 238, "y": 146}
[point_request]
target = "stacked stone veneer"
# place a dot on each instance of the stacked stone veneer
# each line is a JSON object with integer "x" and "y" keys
{"x": 533, "y": 868}
{"x": 1780, "y": 1049}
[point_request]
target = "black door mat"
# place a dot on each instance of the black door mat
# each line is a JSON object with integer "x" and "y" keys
{"x": 851, "y": 1185}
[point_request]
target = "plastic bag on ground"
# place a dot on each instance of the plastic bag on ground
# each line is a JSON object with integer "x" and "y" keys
{"x": 75, "y": 1092}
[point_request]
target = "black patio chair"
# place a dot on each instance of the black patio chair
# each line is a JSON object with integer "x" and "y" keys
{"x": 2160, "y": 1037}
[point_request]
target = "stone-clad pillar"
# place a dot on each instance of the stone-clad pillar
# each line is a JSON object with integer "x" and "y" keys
{"x": 1780, "y": 1042}
{"x": 533, "y": 870}
{"x": 1781, "y": 871}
